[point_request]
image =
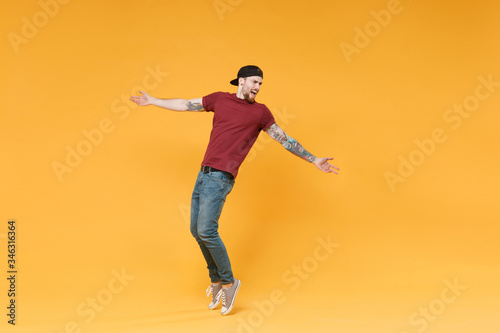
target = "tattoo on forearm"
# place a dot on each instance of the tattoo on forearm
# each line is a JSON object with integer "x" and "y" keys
{"x": 277, "y": 133}
{"x": 194, "y": 106}
{"x": 289, "y": 143}
{"x": 296, "y": 148}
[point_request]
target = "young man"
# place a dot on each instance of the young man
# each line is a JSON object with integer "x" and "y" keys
{"x": 238, "y": 120}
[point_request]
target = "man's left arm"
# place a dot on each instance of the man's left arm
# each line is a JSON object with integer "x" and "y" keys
{"x": 293, "y": 146}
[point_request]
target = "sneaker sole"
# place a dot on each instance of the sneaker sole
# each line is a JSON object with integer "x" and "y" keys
{"x": 225, "y": 313}
{"x": 213, "y": 307}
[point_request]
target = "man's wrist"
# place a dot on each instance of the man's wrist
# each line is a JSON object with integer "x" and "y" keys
{"x": 154, "y": 101}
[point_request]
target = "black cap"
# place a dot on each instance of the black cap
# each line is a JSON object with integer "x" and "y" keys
{"x": 247, "y": 71}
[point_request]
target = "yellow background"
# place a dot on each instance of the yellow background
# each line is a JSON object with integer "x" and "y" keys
{"x": 124, "y": 207}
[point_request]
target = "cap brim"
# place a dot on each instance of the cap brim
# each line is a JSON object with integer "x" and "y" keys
{"x": 234, "y": 82}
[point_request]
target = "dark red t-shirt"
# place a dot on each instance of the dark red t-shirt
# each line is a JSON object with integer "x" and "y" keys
{"x": 236, "y": 126}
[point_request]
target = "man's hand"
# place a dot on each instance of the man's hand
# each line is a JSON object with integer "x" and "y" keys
{"x": 143, "y": 100}
{"x": 325, "y": 166}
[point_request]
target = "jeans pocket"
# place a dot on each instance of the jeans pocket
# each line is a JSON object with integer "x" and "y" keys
{"x": 220, "y": 177}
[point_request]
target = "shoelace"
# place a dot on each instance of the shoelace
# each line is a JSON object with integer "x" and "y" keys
{"x": 222, "y": 294}
{"x": 209, "y": 290}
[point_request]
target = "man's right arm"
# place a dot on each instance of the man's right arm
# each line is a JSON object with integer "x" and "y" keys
{"x": 174, "y": 104}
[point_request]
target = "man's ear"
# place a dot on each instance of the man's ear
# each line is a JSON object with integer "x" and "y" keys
{"x": 241, "y": 80}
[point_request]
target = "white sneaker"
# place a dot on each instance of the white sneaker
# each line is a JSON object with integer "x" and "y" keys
{"x": 228, "y": 296}
{"x": 214, "y": 289}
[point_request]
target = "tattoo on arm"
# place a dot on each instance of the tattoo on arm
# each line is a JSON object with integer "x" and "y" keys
{"x": 289, "y": 143}
{"x": 277, "y": 133}
{"x": 296, "y": 148}
{"x": 194, "y": 106}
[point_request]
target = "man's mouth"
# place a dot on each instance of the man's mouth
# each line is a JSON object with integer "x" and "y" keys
{"x": 253, "y": 93}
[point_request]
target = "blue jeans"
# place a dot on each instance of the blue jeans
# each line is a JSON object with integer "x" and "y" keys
{"x": 209, "y": 196}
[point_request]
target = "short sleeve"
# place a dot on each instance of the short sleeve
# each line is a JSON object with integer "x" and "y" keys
{"x": 267, "y": 119}
{"x": 210, "y": 100}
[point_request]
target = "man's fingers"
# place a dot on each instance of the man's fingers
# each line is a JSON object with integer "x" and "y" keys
{"x": 330, "y": 166}
{"x": 333, "y": 169}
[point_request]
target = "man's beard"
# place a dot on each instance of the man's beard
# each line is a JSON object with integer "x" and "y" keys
{"x": 248, "y": 98}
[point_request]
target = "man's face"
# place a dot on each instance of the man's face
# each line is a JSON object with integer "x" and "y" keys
{"x": 251, "y": 87}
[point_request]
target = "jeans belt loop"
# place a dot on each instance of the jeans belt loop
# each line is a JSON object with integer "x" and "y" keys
{"x": 207, "y": 169}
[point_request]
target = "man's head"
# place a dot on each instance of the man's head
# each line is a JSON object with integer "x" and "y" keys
{"x": 248, "y": 81}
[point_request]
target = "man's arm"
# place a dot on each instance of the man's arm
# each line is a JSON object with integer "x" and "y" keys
{"x": 293, "y": 146}
{"x": 174, "y": 104}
